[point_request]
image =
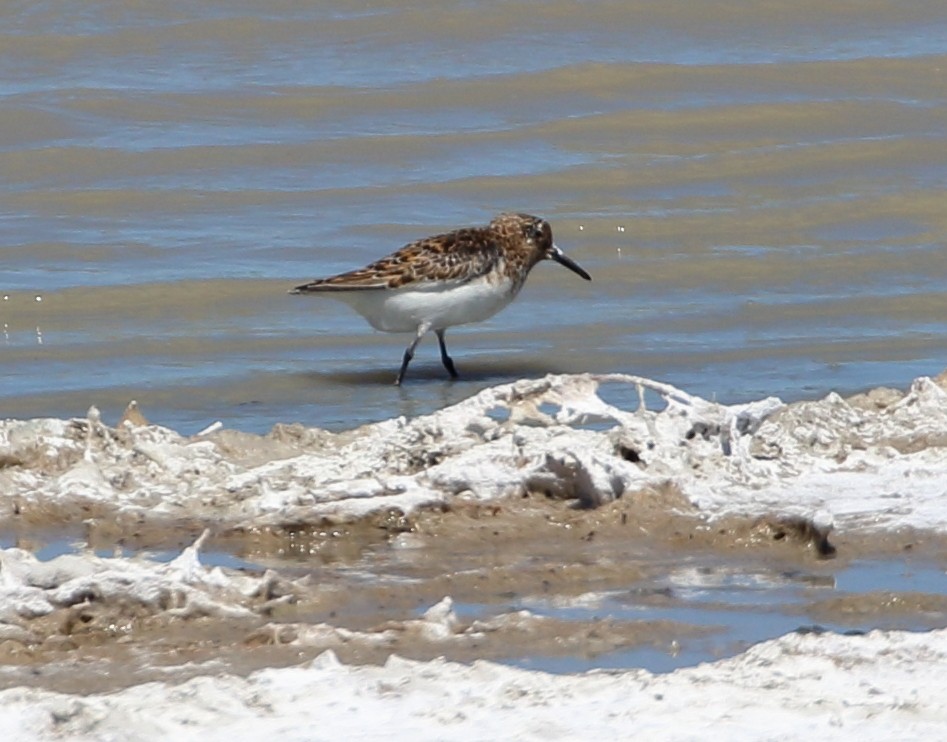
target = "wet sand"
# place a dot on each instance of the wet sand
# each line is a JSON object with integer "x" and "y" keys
{"x": 377, "y": 576}
{"x": 399, "y": 538}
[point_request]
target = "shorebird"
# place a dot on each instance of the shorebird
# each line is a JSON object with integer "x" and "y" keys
{"x": 450, "y": 279}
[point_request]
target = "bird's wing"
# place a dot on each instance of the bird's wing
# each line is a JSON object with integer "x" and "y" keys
{"x": 455, "y": 257}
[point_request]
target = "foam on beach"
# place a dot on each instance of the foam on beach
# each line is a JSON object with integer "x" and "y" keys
{"x": 873, "y": 463}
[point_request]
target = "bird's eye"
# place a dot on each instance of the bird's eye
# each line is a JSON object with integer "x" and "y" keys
{"x": 535, "y": 231}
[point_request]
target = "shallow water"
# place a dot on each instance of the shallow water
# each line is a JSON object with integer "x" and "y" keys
{"x": 757, "y": 190}
{"x": 740, "y": 607}
{"x": 707, "y": 607}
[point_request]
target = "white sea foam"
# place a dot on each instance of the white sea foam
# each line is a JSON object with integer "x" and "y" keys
{"x": 851, "y": 466}
{"x": 845, "y": 464}
{"x": 883, "y": 686}
{"x": 880, "y": 686}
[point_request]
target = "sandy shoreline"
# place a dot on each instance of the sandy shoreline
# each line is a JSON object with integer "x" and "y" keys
{"x": 536, "y": 493}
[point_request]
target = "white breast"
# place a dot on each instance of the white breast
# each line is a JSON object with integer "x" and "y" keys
{"x": 440, "y": 305}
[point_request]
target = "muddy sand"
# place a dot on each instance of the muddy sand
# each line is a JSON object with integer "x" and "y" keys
{"x": 535, "y": 521}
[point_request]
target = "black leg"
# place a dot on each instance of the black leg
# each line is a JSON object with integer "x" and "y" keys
{"x": 446, "y": 359}
{"x": 409, "y": 353}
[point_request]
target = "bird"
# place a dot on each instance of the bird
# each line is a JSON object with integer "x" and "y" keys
{"x": 456, "y": 278}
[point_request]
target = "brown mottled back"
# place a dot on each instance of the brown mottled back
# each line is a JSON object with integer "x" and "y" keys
{"x": 510, "y": 243}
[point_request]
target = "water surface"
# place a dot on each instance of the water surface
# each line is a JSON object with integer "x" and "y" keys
{"x": 756, "y": 188}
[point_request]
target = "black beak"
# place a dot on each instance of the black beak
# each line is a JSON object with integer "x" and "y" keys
{"x": 561, "y": 258}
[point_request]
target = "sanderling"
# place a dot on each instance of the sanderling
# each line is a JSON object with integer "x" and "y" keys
{"x": 450, "y": 279}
